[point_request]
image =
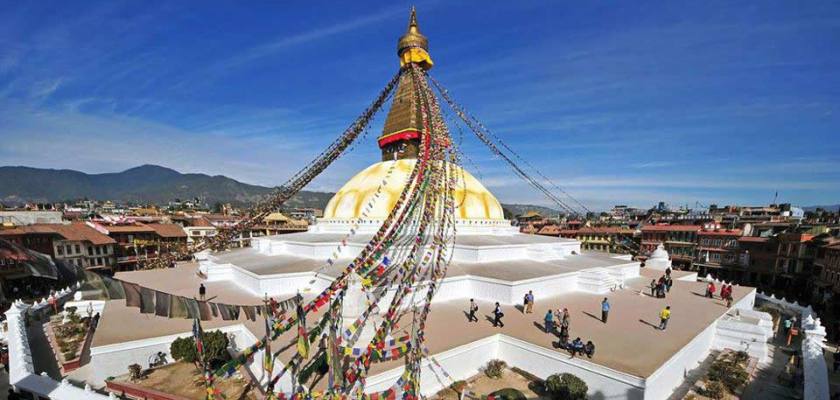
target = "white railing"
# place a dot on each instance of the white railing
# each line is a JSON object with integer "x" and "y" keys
{"x": 814, "y": 367}
{"x": 22, "y": 376}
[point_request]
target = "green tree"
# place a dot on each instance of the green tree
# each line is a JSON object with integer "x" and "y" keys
{"x": 215, "y": 348}
{"x": 566, "y": 387}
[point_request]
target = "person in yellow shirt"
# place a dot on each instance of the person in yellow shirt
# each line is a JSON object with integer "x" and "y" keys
{"x": 664, "y": 316}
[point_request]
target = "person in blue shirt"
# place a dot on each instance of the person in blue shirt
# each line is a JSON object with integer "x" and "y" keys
{"x": 549, "y": 321}
{"x": 605, "y": 310}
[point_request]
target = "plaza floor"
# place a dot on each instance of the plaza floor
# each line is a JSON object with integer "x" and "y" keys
{"x": 629, "y": 342}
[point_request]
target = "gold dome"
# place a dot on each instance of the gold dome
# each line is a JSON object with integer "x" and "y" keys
{"x": 473, "y": 201}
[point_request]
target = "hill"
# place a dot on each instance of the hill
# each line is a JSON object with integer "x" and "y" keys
{"x": 155, "y": 184}
{"x": 143, "y": 184}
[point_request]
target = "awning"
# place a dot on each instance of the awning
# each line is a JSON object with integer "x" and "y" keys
{"x": 35, "y": 264}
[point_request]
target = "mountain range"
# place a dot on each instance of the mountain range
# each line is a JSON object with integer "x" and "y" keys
{"x": 154, "y": 184}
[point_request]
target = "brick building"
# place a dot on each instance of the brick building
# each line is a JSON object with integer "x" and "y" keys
{"x": 76, "y": 243}
{"x": 679, "y": 240}
{"x": 718, "y": 253}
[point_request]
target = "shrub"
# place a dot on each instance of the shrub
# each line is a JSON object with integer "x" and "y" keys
{"x": 566, "y": 387}
{"x": 183, "y": 349}
{"x": 508, "y": 394}
{"x": 740, "y": 357}
{"x": 68, "y": 355}
{"x": 135, "y": 372}
{"x": 728, "y": 373}
{"x": 495, "y": 368}
{"x": 215, "y": 348}
{"x": 714, "y": 390}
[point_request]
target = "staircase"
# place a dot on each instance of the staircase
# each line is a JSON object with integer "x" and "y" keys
{"x": 596, "y": 280}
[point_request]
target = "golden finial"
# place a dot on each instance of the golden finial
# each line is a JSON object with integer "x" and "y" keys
{"x": 412, "y": 37}
{"x": 414, "y": 40}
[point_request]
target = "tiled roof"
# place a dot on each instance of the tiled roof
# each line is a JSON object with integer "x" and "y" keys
{"x": 130, "y": 228}
{"x": 668, "y": 228}
{"x": 76, "y": 231}
{"x": 168, "y": 230}
{"x": 753, "y": 239}
{"x": 604, "y": 229}
{"x": 722, "y": 232}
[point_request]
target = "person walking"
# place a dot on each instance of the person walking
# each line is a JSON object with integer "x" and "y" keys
{"x": 652, "y": 287}
{"x": 202, "y": 291}
{"x": 710, "y": 292}
{"x": 497, "y": 316}
{"x": 549, "y": 321}
{"x": 664, "y": 316}
{"x": 605, "y": 310}
{"x": 668, "y": 283}
{"x": 473, "y": 310}
{"x": 529, "y": 302}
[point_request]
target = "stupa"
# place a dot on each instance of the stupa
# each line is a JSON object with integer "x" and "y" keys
{"x": 659, "y": 259}
{"x": 491, "y": 262}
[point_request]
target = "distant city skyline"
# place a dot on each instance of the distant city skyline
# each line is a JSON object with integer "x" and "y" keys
{"x": 623, "y": 104}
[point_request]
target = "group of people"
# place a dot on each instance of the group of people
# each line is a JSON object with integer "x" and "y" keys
{"x": 498, "y": 314}
{"x": 560, "y": 318}
{"x": 725, "y": 292}
{"x": 577, "y": 347}
{"x": 659, "y": 288}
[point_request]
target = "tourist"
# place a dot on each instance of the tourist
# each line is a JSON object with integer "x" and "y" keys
{"x": 668, "y": 272}
{"x": 589, "y": 349}
{"x": 473, "y": 310}
{"x": 668, "y": 283}
{"x": 664, "y": 316}
{"x": 726, "y": 294}
{"x": 497, "y": 316}
{"x": 549, "y": 321}
{"x": 576, "y": 347}
{"x": 202, "y": 291}
{"x": 710, "y": 290}
{"x": 529, "y": 302}
{"x": 564, "y": 337}
{"x": 787, "y": 325}
{"x": 605, "y": 310}
{"x": 567, "y": 319}
{"x": 652, "y": 287}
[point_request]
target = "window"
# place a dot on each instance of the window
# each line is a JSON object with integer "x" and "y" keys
{"x": 98, "y": 260}
{"x": 78, "y": 249}
{"x": 98, "y": 250}
{"x": 69, "y": 249}
{"x": 90, "y": 250}
{"x": 59, "y": 250}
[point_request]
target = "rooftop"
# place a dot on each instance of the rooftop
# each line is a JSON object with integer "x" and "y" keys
{"x": 633, "y": 314}
{"x": 667, "y": 228}
{"x": 75, "y": 231}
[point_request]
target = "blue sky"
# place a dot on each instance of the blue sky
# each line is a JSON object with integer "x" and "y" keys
{"x": 618, "y": 102}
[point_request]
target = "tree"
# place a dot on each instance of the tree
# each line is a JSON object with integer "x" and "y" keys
{"x": 215, "y": 348}
{"x": 566, "y": 387}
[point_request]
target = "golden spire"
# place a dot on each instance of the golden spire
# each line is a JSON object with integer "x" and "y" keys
{"x": 413, "y": 47}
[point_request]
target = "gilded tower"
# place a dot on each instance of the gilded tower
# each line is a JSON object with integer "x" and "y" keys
{"x": 401, "y": 135}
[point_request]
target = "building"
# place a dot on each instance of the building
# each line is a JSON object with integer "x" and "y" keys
{"x": 18, "y": 218}
{"x": 605, "y": 238}
{"x": 76, "y": 243}
{"x": 277, "y": 224}
{"x": 680, "y": 242}
{"x": 718, "y": 253}
{"x": 794, "y": 267}
{"x": 757, "y": 256}
{"x": 137, "y": 242}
